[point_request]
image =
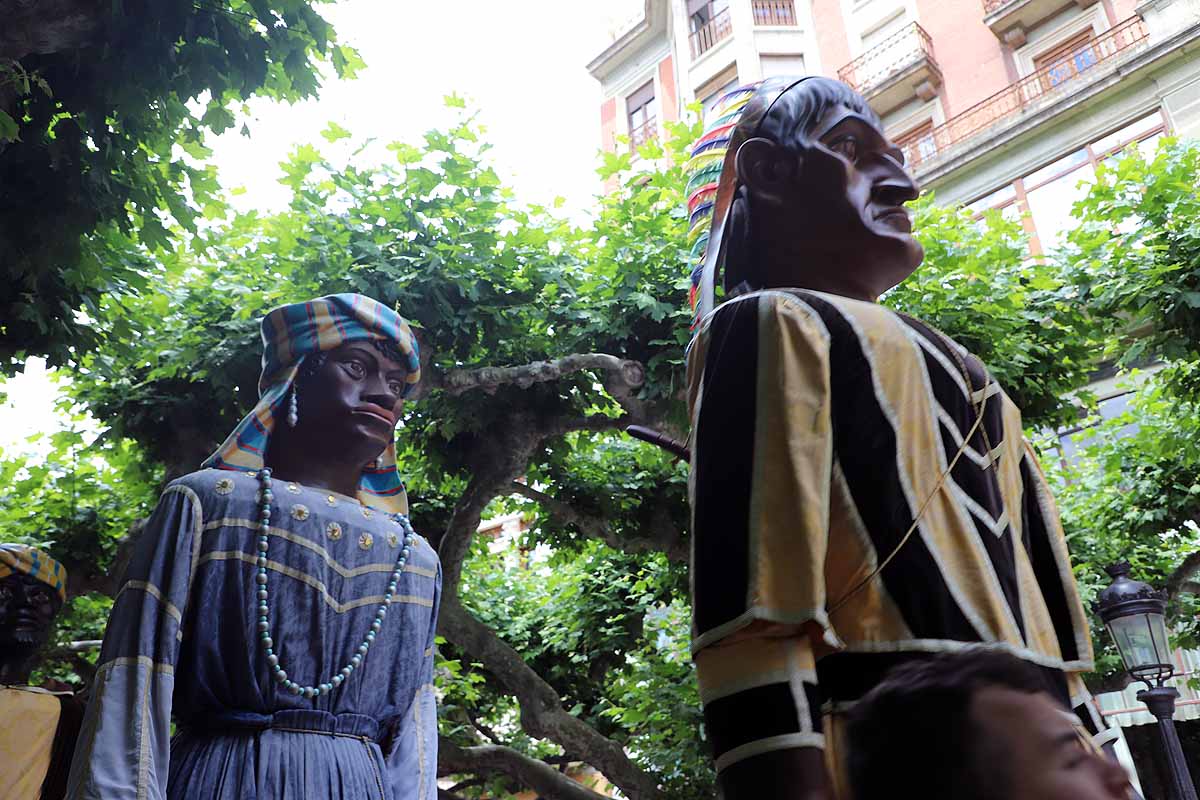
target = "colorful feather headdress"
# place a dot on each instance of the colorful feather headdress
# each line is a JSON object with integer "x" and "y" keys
{"x": 704, "y": 175}
{"x": 712, "y": 177}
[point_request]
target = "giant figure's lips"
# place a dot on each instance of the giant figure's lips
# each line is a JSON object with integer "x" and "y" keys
{"x": 374, "y": 410}
{"x": 896, "y": 217}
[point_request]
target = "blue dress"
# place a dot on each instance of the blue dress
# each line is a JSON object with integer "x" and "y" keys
{"x": 182, "y": 643}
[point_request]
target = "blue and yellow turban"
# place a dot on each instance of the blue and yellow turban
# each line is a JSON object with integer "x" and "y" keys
{"x": 21, "y": 558}
{"x": 290, "y": 333}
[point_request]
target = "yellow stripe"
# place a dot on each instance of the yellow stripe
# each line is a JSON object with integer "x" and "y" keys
{"x": 135, "y": 661}
{"x": 901, "y": 384}
{"x": 330, "y": 600}
{"x": 793, "y": 456}
{"x": 152, "y": 590}
{"x": 345, "y": 572}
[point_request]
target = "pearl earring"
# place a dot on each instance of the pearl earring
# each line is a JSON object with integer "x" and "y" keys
{"x": 293, "y": 414}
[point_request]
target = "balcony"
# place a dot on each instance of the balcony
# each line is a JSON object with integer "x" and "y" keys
{"x": 768, "y": 13}
{"x": 1051, "y": 81}
{"x": 709, "y": 26}
{"x": 643, "y": 133}
{"x": 1010, "y": 19}
{"x": 896, "y": 70}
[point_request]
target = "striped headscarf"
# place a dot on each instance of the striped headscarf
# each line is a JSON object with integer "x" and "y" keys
{"x": 292, "y": 332}
{"x": 21, "y": 558}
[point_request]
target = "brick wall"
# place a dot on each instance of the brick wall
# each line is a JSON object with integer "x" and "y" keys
{"x": 971, "y": 58}
{"x": 832, "y": 43}
{"x": 669, "y": 101}
{"x": 608, "y": 125}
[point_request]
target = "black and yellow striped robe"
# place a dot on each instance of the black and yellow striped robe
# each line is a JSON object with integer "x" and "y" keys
{"x": 822, "y": 426}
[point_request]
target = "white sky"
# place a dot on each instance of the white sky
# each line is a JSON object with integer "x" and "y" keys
{"x": 520, "y": 63}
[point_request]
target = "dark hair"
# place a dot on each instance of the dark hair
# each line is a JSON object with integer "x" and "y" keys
{"x": 912, "y": 735}
{"x": 789, "y": 120}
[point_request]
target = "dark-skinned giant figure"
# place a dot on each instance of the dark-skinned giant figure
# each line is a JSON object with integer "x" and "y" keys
{"x": 862, "y": 494}
{"x": 279, "y": 606}
{"x": 38, "y": 725}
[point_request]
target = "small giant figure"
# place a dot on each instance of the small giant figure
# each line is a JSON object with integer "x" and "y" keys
{"x": 279, "y": 606}
{"x": 38, "y": 727}
{"x": 862, "y": 494}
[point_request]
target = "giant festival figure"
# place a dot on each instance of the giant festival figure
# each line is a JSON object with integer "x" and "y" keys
{"x": 862, "y": 494}
{"x": 38, "y": 726}
{"x": 279, "y": 605}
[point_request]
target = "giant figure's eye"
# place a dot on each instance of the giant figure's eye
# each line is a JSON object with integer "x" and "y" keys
{"x": 355, "y": 368}
{"x": 846, "y": 146}
{"x": 396, "y": 387}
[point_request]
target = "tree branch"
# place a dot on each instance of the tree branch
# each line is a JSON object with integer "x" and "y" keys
{"x": 537, "y": 775}
{"x": 1183, "y": 573}
{"x": 623, "y": 374}
{"x": 487, "y": 732}
{"x": 542, "y": 713}
{"x": 498, "y": 461}
{"x": 664, "y": 538}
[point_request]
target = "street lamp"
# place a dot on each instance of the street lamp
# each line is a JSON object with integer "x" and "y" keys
{"x": 1133, "y": 613}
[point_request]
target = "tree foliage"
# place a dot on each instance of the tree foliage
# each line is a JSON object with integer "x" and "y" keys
{"x": 540, "y": 341}
{"x": 104, "y": 108}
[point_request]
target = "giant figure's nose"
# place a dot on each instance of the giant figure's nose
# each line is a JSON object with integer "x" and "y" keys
{"x": 894, "y": 186}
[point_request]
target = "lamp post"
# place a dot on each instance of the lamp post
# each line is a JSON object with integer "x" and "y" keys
{"x": 1133, "y": 613}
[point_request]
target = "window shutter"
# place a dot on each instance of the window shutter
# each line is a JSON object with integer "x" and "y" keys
{"x": 641, "y": 97}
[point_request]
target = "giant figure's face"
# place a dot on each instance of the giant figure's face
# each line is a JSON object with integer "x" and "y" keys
{"x": 836, "y": 206}
{"x": 877, "y": 184}
{"x": 27, "y": 610}
{"x": 354, "y": 398}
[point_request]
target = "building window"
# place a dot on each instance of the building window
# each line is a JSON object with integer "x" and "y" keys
{"x": 917, "y": 143}
{"x": 715, "y": 89}
{"x": 642, "y": 118}
{"x": 709, "y": 22}
{"x": 777, "y": 64}
{"x": 1067, "y": 59}
{"x": 1043, "y": 198}
{"x": 1073, "y": 439}
{"x": 774, "y": 12}
{"x": 885, "y": 30}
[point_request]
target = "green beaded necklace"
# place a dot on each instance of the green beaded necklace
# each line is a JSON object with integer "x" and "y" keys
{"x": 265, "y": 495}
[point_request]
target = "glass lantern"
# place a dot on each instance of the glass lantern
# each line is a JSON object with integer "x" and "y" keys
{"x": 1133, "y": 613}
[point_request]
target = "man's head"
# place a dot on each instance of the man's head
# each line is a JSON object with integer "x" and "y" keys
{"x": 977, "y": 724}
{"x": 32, "y": 591}
{"x": 814, "y": 192}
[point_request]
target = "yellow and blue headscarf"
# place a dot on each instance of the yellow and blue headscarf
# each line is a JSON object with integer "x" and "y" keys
{"x": 21, "y": 558}
{"x": 292, "y": 332}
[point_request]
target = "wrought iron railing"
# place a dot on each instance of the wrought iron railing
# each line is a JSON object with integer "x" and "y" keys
{"x": 904, "y": 48}
{"x": 1052, "y": 79}
{"x": 995, "y": 5}
{"x": 717, "y": 28}
{"x": 774, "y": 12}
{"x": 643, "y": 133}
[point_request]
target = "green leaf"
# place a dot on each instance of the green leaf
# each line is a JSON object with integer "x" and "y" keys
{"x": 334, "y": 132}
{"x": 9, "y": 130}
